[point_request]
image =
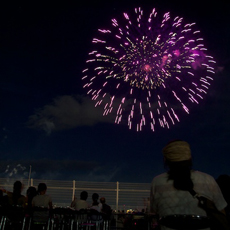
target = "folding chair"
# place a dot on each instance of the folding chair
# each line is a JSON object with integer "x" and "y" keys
{"x": 40, "y": 219}
{"x": 12, "y": 217}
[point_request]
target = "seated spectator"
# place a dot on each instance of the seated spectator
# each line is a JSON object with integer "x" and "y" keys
{"x": 170, "y": 191}
{"x": 16, "y": 203}
{"x": 106, "y": 209}
{"x": 30, "y": 194}
{"x": 15, "y": 197}
{"x": 95, "y": 205}
{"x": 82, "y": 203}
{"x": 42, "y": 200}
{"x": 96, "y": 209}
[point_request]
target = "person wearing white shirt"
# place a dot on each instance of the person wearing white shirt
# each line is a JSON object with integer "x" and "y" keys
{"x": 170, "y": 191}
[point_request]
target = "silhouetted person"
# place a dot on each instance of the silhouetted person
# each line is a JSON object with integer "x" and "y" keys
{"x": 95, "y": 204}
{"x": 96, "y": 217}
{"x": 42, "y": 200}
{"x": 170, "y": 191}
{"x": 30, "y": 194}
{"x": 82, "y": 203}
{"x": 105, "y": 207}
{"x": 15, "y": 197}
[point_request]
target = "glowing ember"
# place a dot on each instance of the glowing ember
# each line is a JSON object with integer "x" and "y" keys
{"x": 147, "y": 68}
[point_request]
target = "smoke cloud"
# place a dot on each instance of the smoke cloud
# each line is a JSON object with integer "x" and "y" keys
{"x": 67, "y": 112}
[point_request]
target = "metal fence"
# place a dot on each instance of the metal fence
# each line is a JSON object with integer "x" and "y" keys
{"x": 119, "y": 195}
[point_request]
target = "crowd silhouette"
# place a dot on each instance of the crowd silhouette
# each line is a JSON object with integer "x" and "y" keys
{"x": 37, "y": 211}
{"x": 172, "y": 196}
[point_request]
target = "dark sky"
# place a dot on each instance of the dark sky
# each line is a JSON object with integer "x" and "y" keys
{"x": 47, "y": 121}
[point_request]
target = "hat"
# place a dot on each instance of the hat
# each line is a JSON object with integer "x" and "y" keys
{"x": 177, "y": 151}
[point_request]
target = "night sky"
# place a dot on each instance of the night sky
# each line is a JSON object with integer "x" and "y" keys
{"x": 48, "y": 122}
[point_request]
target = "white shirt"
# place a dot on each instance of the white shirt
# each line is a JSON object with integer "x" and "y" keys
{"x": 97, "y": 207}
{"x": 41, "y": 200}
{"x": 81, "y": 204}
{"x": 167, "y": 200}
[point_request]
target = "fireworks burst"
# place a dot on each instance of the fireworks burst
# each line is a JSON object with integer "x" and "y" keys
{"x": 147, "y": 69}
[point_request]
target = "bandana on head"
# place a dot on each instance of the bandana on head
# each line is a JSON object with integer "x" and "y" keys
{"x": 177, "y": 151}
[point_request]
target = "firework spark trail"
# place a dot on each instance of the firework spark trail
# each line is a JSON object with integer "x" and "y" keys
{"x": 147, "y": 69}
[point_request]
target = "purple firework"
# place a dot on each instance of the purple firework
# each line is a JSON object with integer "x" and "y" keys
{"x": 145, "y": 69}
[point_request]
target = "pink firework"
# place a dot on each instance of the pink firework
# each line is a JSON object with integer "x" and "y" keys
{"x": 146, "y": 70}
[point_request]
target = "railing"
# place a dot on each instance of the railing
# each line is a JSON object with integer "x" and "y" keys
{"x": 119, "y": 195}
